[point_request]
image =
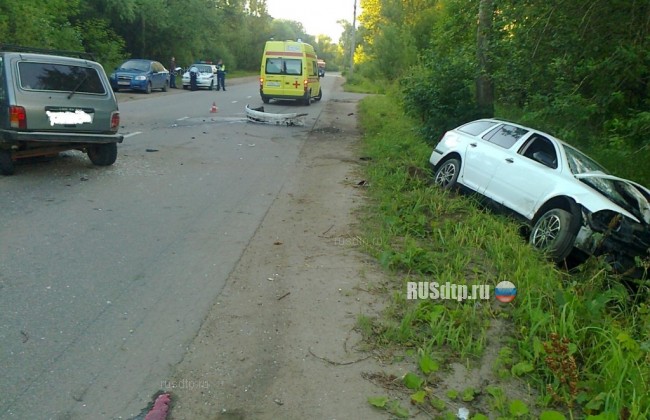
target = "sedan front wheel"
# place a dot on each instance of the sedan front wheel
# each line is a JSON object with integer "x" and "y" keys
{"x": 447, "y": 174}
{"x": 553, "y": 233}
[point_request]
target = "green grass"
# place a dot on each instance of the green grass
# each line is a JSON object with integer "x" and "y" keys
{"x": 359, "y": 84}
{"x": 582, "y": 340}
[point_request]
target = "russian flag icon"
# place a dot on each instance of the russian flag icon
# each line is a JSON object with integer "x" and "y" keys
{"x": 505, "y": 292}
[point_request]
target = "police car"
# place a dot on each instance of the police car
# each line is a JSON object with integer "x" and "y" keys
{"x": 206, "y": 76}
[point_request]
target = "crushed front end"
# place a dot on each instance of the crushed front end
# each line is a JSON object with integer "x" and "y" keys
{"x": 622, "y": 240}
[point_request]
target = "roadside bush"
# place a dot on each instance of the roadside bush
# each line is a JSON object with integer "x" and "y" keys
{"x": 440, "y": 93}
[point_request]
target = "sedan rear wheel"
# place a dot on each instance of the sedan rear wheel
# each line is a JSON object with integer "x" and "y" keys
{"x": 553, "y": 233}
{"x": 447, "y": 174}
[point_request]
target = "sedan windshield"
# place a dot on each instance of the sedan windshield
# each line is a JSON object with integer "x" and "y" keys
{"x": 579, "y": 163}
{"x": 136, "y": 65}
{"x": 622, "y": 193}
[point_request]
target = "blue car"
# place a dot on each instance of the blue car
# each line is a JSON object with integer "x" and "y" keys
{"x": 142, "y": 75}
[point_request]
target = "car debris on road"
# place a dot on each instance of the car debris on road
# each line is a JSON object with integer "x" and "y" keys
{"x": 259, "y": 116}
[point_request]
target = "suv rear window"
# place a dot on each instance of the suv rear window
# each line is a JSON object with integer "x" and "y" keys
{"x": 283, "y": 66}
{"x": 60, "y": 77}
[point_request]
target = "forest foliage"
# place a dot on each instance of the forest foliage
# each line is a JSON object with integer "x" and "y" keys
{"x": 190, "y": 30}
{"x": 579, "y": 69}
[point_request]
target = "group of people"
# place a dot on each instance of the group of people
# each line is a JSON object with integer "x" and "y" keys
{"x": 221, "y": 75}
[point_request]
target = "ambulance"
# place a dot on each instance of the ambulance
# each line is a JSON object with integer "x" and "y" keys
{"x": 289, "y": 71}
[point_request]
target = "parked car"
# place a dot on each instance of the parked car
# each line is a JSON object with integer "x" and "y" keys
{"x": 206, "y": 77}
{"x": 142, "y": 75}
{"x": 570, "y": 201}
{"x": 52, "y": 101}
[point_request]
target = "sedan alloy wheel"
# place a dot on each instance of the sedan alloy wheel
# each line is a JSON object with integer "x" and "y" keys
{"x": 447, "y": 174}
{"x": 553, "y": 233}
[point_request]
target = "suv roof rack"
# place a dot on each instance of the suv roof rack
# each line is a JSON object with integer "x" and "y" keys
{"x": 68, "y": 53}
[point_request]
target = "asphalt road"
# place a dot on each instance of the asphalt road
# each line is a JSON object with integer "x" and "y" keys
{"x": 106, "y": 273}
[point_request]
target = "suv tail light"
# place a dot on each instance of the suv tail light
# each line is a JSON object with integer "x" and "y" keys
{"x": 115, "y": 121}
{"x": 17, "y": 117}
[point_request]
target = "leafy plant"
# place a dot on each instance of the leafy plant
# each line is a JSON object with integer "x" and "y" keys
{"x": 468, "y": 394}
{"x": 413, "y": 381}
{"x": 518, "y": 408}
{"x": 452, "y": 394}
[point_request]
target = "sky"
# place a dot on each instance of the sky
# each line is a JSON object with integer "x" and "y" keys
{"x": 317, "y": 16}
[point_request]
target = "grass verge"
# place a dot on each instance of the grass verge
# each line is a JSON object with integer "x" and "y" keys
{"x": 581, "y": 341}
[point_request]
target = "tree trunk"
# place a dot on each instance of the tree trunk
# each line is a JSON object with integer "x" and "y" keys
{"x": 484, "y": 83}
{"x": 143, "y": 54}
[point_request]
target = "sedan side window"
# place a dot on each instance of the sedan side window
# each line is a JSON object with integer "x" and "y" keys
{"x": 476, "y": 127}
{"x": 505, "y": 135}
{"x": 540, "y": 149}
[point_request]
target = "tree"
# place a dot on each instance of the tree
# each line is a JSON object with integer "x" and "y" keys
{"x": 484, "y": 85}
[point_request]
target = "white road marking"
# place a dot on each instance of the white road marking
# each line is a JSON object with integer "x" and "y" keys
{"x": 181, "y": 119}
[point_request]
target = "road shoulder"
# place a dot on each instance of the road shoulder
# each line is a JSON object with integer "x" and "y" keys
{"x": 280, "y": 340}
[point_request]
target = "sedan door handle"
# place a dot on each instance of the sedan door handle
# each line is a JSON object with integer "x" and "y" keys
{"x": 473, "y": 144}
{"x": 510, "y": 160}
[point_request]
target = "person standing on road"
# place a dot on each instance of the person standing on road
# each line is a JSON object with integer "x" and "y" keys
{"x": 221, "y": 75}
{"x": 172, "y": 73}
{"x": 194, "y": 73}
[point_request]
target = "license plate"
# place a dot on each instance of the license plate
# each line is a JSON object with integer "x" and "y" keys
{"x": 273, "y": 84}
{"x": 124, "y": 83}
{"x": 69, "y": 116}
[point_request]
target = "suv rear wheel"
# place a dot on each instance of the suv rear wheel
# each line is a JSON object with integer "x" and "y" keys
{"x": 102, "y": 154}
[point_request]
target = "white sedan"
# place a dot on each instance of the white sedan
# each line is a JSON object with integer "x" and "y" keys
{"x": 206, "y": 76}
{"x": 568, "y": 199}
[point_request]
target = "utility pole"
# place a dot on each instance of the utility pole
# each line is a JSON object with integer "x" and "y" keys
{"x": 354, "y": 30}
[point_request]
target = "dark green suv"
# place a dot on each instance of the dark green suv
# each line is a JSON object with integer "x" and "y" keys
{"x": 55, "y": 102}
